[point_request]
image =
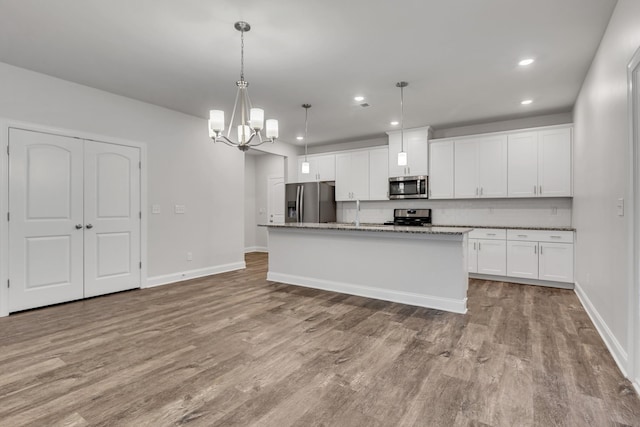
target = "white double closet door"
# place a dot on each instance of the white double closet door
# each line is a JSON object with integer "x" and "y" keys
{"x": 74, "y": 228}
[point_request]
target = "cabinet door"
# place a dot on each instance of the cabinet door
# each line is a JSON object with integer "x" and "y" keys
{"x": 492, "y": 257}
{"x": 313, "y": 170}
{"x": 492, "y": 166}
{"x": 395, "y": 146}
{"x": 473, "y": 255}
{"x": 360, "y": 175}
{"x": 343, "y": 177}
{"x": 379, "y": 174}
{"x": 554, "y": 163}
{"x": 441, "y": 167}
{"x": 326, "y": 167}
{"x": 522, "y": 259}
{"x": 417, "y": 147}
{"x": 522, "y": 164}
{"x": 556, "y": 262}
{"x": 466, "y": 169}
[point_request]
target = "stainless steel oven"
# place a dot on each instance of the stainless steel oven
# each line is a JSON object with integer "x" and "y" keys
{"x": 409, "y": 187}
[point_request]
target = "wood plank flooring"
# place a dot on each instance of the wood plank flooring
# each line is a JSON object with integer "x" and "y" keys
{"x": 236, "y": 350}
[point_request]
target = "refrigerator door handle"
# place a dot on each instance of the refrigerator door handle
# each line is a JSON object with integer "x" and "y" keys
{"x": 298, "y": 203}
{"x": 302, "y": 203}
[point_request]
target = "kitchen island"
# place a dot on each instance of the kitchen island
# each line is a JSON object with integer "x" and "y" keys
{"x": 422, "y": 266}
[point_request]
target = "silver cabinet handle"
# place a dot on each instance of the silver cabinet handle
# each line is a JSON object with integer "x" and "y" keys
{"x": 476, "y": 191}
{"x": 535, "y": 190}
{"x": 481, "y": 191}
{"x": 556, "y": 237}
{"x": 78, "y": 226}
{"x": 474, "y": 246}
{"x": 540, "y": 190}
{"x": 478, "y": 245}
{"x": 535, "y": 249}
{"x": 522, "y": 235}
{"x": 89, "y": 226}
{"x": 540, "y": 250}
{"x": 491, "y": 234}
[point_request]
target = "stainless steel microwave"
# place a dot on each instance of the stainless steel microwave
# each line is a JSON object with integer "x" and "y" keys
{"x": 409, "y": 187}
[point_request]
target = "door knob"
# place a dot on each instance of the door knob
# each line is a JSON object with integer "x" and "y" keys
{"x": 89, "y": 226}
{"x": 78, "y": 226}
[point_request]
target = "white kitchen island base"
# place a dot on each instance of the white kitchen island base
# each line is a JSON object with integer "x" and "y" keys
{"x": 425, "y": 267}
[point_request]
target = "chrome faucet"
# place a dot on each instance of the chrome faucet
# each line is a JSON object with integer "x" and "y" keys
{"x": 357, "y": 213}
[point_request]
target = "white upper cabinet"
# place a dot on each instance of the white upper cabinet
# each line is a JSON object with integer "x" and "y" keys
{"x": 480, "y": 166}
{"x": 554, "y": 163}
{"x": 416, "y": 145}
{"x": 523, "y": 164}
{"x": 441, "y": 170}
{"x": 321, "y": 168}
{"x": 352, "y": 176}
{"x": 379, "y": 174}
{"x": 540, "y": 163}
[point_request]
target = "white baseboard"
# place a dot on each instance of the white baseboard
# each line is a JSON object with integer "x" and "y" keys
{"x": 446, "y": 304}
{"x": 192, "y": 274}
{"x": 256, "y": 249}
{"x": 616, "y": 350}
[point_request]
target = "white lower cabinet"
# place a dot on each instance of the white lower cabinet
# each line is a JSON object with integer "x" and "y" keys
{"x": 487, "y": 251}
{"x": 522, "y": 259}
{"x": 556, "y": 262}
{"x": 543, "y": 255}
{"x": 538, "y": 255}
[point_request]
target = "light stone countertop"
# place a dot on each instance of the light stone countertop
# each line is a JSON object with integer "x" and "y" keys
{"x": 374, "y": 227}
{"x": 511, "y": 227}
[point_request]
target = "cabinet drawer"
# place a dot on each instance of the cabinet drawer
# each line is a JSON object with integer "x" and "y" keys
{"x": 540, "y": 236}
{"x": 488, "y": 233}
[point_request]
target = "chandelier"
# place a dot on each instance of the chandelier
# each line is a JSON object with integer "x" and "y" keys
{"x": 251, "y": 120}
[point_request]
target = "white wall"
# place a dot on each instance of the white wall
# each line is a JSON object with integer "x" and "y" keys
{"x": 601, "y": 176}
{"x": 249, "y": 202}
{"x": 184, "y": 166}
{"x": 499, "y": 212}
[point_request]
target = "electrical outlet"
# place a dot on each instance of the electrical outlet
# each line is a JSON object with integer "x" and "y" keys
{"x": 155, "y": 209}
{"x": 554, "y": 211}
{"x": 620, "y": 207}
{"x": 180, "y": 209}
{"x": 189, "y": 256}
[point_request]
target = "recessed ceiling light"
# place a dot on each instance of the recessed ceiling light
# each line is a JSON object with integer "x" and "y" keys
{"x": 526, "y": 102}
{"x": 359, "y": 98}
{"x": 525, "y": 62}
{"x": 299, "y": 138}
{"x": 395, "y": 123}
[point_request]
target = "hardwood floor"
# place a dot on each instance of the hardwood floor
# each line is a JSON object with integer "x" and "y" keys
{"x": 236, "y": 350}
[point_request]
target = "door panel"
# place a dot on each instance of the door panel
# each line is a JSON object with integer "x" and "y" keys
{"x": 492, "y": 166}
{"x": 466, "y": 169}
{"x": 112, "y": 218}
{"x": 492, "y": 257}
{"x": 523, "y": 164}
{"x": 554, "y": 163}
{"x": 522, "y": 259}
{"x": 45, "y": 203}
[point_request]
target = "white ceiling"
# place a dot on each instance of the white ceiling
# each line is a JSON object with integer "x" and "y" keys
{"x": 459, "y": 56}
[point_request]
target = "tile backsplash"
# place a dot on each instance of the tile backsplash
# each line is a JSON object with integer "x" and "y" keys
{"x": 542, "y": 212}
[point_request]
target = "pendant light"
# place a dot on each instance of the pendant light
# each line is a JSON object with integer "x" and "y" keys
{"x": 402, "y": 155}
{"x": 305, "y": 165}
{"x": 251, "y": 120}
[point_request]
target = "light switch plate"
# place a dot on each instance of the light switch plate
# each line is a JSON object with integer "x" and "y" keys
{"x": 180, "y": 209}
{"x": 620, "y": 207}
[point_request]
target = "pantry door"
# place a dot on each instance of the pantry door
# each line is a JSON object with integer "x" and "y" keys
{"x": 46, "y": 219}
{"x": 112, "y": 218}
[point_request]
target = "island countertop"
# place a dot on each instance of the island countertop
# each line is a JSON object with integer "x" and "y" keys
{"x": 374, "y": 227}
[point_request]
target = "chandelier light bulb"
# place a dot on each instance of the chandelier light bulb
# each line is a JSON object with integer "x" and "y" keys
{"x": 256, "y": 118}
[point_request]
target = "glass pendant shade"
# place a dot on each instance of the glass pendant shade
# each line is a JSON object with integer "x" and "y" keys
{"x": 305, "y": 167}
{"x": 272, "y": 128}
{"x": 402, "y": 158}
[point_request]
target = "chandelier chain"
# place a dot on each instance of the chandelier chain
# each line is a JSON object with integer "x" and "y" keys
{"x": 241, "y": 55}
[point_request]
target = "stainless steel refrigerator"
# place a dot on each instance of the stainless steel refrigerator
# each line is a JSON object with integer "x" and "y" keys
{"x": 310, "y": 202}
